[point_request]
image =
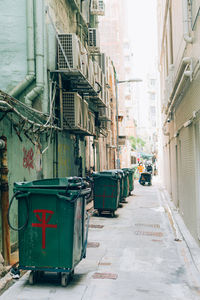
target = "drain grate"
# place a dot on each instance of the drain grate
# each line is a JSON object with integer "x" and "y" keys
{"x": 93, "y": 245}
{"x": 105, "y": 276}
{"x": 149, "y": 233}
{"x": 148, "y": 225}
{"x": 104, "y": 264}
{"x": 96, "y": 226}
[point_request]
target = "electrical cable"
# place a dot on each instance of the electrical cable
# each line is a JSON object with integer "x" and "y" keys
{"x": 8, "y": 215}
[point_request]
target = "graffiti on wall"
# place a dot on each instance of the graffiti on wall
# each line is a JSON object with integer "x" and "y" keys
{"x": 28, "y": 162}
{"x": 38, "y": 157}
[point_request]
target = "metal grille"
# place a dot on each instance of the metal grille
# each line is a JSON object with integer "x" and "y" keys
{"x": 93, "y": 245}
{"x": 95, "y": 226}
{"x": 148, "y": 225}
{"x": 71, "y": 111}
{"x": 94, "y": 5}
{"x": 98, "y": 7}
{"x": 66, "y": 41}
{"x": 101, "y": 5}
{"x": 91, "y": 123}
{"x": 105, "y": 276}
{"x": 148, "y": 233}
{"x": 92, "y": 37}
{"x": 85, "y": 115}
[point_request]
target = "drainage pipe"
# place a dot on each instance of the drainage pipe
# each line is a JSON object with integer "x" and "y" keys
{"x": 30, "y": 52}
{"x": 39, "y": 52}
{"x": 179, "y": 82}
{"x": 6, "y": 249}
{"x": 186, "y": 21}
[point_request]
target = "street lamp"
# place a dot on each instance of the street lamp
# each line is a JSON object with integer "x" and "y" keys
{"x": 116, "y": 92}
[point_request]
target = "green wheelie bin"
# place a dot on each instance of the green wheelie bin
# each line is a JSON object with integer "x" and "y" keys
{"x": 52, "y": 227}
{"x": 121, "y": 175}
{"x": 131, "y": 178}
{"x": 126, "y": 184}
{"x": 106, "y": 191}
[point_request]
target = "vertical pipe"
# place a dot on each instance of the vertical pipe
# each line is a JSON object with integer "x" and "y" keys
{"x": 5, "y": 203}
{"x": 94, "y": 153}
{"x": 45, "y": 104}
{"x": 171, "y": 36}
{"x": 116, "y": 96}
{"x": 186, "y": 35}
{"x": 39, "y": 52}
{"x": 30, "y": 52}
{"x": 30, "y": 38}
{"x": 39, "y": 46}
{"x": 61, "y": 100}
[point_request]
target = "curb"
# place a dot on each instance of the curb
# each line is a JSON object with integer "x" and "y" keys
{"x": 181, "y": 229}
{"x": 4, "y": 281}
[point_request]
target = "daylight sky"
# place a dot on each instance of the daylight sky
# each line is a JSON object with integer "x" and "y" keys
{"x": 142, "y": 31}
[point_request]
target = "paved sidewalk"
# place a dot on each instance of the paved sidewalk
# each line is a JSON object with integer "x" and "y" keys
{"x": 137, "y": 255}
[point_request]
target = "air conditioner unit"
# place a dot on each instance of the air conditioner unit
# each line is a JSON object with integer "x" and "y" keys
{"x": 102, "y": 62}
{"x": 105, "y": 63}
{"x": 91, "y": 123}
{"x": 91, "y": 78}
{"x": 103, "y": 124}
{"x": 102, "y": 93}
{"x": 72, "y": 111}
{"x": 93, "y": 38}
{"x": 96, "y": 72}
{"x": 74, "y": 52}
{"x": 97, "y": 76}
{"x": 98, "y": 7}
{"x": 106, "y": 96}
{"x": 105, "y": 113}
{"x": 109, "y": 137}
{"x": 84, "y": 64}
{"x": 108, "y": 63}
{"x": 85, "y": 115}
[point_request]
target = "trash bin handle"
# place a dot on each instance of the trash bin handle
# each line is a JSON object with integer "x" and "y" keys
{"x": 63, "y": 197}
{"x": 19, "y": 194}
{"x": 22, "y": 194}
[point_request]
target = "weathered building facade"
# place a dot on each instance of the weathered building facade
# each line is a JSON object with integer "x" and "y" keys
{"x": 179, "y": 43}
{"x": 113, "y": 32}
{"x": 54, "y": 97}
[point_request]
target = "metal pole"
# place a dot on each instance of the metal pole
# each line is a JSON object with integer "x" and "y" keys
{"x": 6, "y": 249}
{"x": 116, "y": 92}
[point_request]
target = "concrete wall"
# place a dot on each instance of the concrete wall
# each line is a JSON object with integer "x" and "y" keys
{"x": 13, "y": 43}
{"x": 181, "y": 140}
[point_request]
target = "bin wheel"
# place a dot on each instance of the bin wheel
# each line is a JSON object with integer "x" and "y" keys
{"x": 99, "y": 213}
{"x": 112, "y": 214}
{"x": 71, "y": 275}
{"x": 32, "y": 277}
{"x": 64, "y": 279}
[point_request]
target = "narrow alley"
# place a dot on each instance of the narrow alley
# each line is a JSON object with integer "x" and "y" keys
{"x": 139, "y": 254}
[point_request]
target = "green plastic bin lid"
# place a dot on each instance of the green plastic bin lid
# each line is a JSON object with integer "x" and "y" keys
{"x": 132, "y": 170}
{"x": 106, "y": 173}
{"x": 50, "y": 183}
{"x": 128, "y": 170}
{"x": 119, "y": 171}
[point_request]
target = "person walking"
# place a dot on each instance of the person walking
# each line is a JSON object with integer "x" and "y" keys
{"x": 140, "y": 168}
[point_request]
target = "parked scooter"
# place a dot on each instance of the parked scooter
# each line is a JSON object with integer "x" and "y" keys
{"x": 146, "y": 176}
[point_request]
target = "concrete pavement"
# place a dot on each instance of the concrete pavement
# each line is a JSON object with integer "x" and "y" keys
{"x": 140, "y": 254}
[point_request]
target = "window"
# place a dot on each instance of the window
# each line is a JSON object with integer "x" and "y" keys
{"x": 152, "y": 82}
{"x": 152, "y": 110}
{"x": 152, "y": 96}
